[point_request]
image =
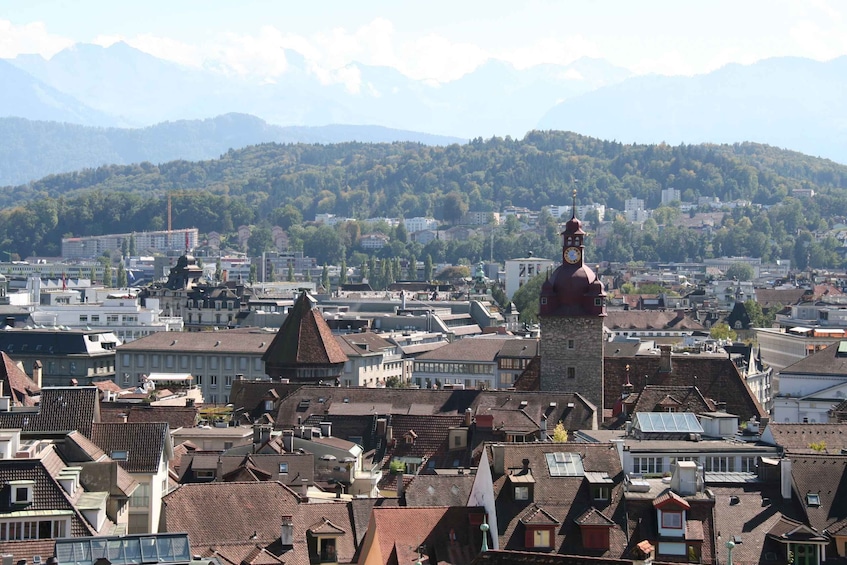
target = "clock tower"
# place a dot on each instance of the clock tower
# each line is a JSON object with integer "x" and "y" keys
{"x": 572, "y": 307}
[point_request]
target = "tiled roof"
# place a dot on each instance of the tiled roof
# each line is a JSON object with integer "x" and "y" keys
{"x": 468, "y": 349}
{"x": 650, "y": 320}
{"x": 85, "y": 445}
{"x": 716, "y": 377}
{"x": 304, "y": 338}
{"x": 439, "y": 490}
{"x": 641, "y": 517}
{"x": 442, "y": 531}
{"x": 62, "y": 409}
{"x": 564, "y": 498}
{"x": 47, "y": 493}
{"x": 513, "y": 557}
{"x": 352, "y": 344}
{"x": 360, "y": 511}
{"x": 26, "y": 550}
{"x": 186, "y": 509}
{"x": 16, "y": 382}
{"x": 688, "y": 398}
{"x": 107, "y": 385}
{"x": 769, "y": 297}
{"x": 175, "y": 416}
{"x": 826, "y": 476}
{"x": 145, "y": 443}
{"x": 238, "y": 341}
{"x": 827, "y": 361}
{"x": 749, "y": 511}
{"x": 249, "y": 396}
{"x": 593, "y": 517}
{"x": 799, "y": 438}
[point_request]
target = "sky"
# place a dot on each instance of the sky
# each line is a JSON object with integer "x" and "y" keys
{"x": 437, "y": 40}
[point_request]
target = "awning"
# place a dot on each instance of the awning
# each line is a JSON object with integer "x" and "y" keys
{"x": 169, "y": 377}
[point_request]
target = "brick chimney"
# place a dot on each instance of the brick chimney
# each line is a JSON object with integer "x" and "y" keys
{"x": 37, "y": 372}
{"x": 665, "y": 363}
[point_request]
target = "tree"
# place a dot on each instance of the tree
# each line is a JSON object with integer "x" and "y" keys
{"x": 754, "y": 312}
{"x": 122, "y": 278}
{"x": 93, "y": 274}
{"x": 261, "y": 240}
{"x": 342, "y": 275}
{"x": 290, "y": 277}
{"x": 131, "y": 248}
{"x": 428, "y": 268}
{"x": 454, "y": 207}
{"x": 124, "y": 247}
{"x": 722, "y": 331}
{"x": 739, "y": 272}
{"x": 107, "y": 274}
{"x": 560, "y": 434}
{"x": 412, "y": 273}
{"x": 253, "y": 270}
{"x": 218, "y": 271}
{"x": 526, "y": 298}
{"x": 400, "y": 233}
{"x": 325, "y": 278}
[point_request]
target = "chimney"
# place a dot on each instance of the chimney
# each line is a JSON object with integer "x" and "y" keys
{"x": 261, "y": 434}
{"x": 720, "y": 406}
{"x": 5, "y": 401}
{"x": 286, "y": 538}
{"x": 542, "y": 428}
{"x": 525, "y": 464}
{"x": 339, "y": 490}
{"x": 326, "y": 429}
{"x": 288, "y": 441}
{"x": 665, "y": 364}
{"x": 189, "y": 402}
{"x": 468, "y": 417}
{"x": 304, "y": 489}
{"x": 785, "y": 479}
{"x": 498, "y": 453}
{"x": 37, "y": 372}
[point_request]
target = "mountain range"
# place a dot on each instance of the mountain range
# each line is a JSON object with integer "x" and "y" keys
{"x": 787, "y": 102}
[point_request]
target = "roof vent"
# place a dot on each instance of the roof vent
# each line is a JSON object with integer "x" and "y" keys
{"x": 524, "y": 403}
{"x": 217, "y": 343}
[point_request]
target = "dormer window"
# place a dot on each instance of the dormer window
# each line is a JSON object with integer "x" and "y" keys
{"x": 672, "y": 520}
{"x": 522, "y": 492}
{"x": 22, "y": 491}
{"x": 119, "y": 455}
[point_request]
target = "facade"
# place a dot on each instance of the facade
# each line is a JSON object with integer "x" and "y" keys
{"x": 214, "y": 359}
{"x": 810, "y": 388}
{"x": 572, "y": 310}
{"x": 671, "y": 195}
{"x": 83, "y": 356}
{"x": 121, "y": 314}
{"x": 519, "y": 271}
{"x": 372, "y": 361}
{"x": 373, "y": 241}
{"x": 419, "y": 223}
{"x": 781, "y": 348}
{"x": 163, "y": 241}
{"x": 467, "y": 363}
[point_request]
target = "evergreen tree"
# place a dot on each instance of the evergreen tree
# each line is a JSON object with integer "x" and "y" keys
{"x": 270, "y": 273}
{"x": 364, "y": 270}
{"x": 342, "y": 276}
{"x": 124, "y": 247}
{"x": 428, "y": 268}
{"x": 307, "y": 275}
{"x": 107, "y": 275}
{"x": 131, "y": 249}
{"x": 218, "y": 271}
{"x": 413, "y": 268}
{"x": 93, "y": 274}
{"x": 372, "y": 272}
{"x": 253, "y": 270}
{"x": 290, "y": 277}
{"x": 122, "y": 278}
{"x": 325, "y": 278}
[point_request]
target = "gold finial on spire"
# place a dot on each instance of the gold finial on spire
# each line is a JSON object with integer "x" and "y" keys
{"x": 573, "y": 215}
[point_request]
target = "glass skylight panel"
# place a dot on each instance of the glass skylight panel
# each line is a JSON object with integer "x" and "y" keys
{"x": 562, "y": 464}
{"x": 678, "y": 422}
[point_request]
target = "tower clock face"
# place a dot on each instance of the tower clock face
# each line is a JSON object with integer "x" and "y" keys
{"x": 572, "y": 255}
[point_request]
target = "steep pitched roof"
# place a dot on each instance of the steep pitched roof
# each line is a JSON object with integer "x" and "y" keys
{"x": 175, "y": 416}
{"x": 304, "y": 338}
{"x": 145, "y": 443}
{"x": 650, "y": 320}
{"x": 799, "y": 438}
{"x": 62, "y": 409}
{"x": 186, "y": 509}
{"x": 826, "y": 476}
{"x": 16, "y": 383}
{"x": 827, "y": 361}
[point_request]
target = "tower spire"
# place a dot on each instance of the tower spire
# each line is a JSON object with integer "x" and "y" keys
{"x": 573, "y": 213}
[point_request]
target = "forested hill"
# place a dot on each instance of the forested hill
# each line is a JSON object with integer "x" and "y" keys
{"x": 276, "y": 183}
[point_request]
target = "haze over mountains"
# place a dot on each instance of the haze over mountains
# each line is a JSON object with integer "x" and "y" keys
{"x": 788, "y": 102}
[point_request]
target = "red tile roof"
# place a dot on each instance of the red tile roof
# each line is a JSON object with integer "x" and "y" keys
{"x": 304, "y": 338}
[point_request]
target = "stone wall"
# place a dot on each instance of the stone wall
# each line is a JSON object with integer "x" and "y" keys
{"x": 585, "y": 335}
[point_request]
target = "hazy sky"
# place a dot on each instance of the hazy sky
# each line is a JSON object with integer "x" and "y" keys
{"x": 437, "y": 40}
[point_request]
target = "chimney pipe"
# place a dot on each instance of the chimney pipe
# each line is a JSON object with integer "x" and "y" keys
{"x": 785, "y": 479}
{"x": 288, "y": 440}
{"x": 468, "y": 417}
{"x": 37, "y": 372}
{"x": 286, "y": 537}
{"x": 665, "y": 363}
{"x": 498, "y": 453}
{"x": 304, "y": 489}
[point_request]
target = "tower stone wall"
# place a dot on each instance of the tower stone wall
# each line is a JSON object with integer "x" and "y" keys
{"x": 585, "y": 358}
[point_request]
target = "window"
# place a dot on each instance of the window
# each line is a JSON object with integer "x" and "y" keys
{"x": 269, "y": 405}
{"x": 141, "y": 497}
{"x": 213, "y": 381}
{"x": 112, "y": 319}
{"x": 32, "y": 529}
{"x": 283, "y": 468}
{"x": 125, "y": 359}
{"x": 748, "y": 464}
{"x": 541, "y": 538}
{"x": 22, "y": 491}
{"x": 571, "y": 372}
{"x": 813, "y": 500}
{"x": 154, "y": 361}
{"x": 83, "y": 318}
{"x": 720, "y": 464}
{"x": 672, "y": 520}
{"x": 521, "y": 493}
{"x": 213, "y": 362}
{"x": 571, "y": 344}
{"x": 600, "y": 493}
{"x": 205, "y": 474}
{"x": 119, "y": 455}
{"x": 95, "y": 318}
{"x": 198, "y": 379}
{"x": 328, "y": 554}
{"x": 228, "y": 381}
{"x": 647, "y": 465}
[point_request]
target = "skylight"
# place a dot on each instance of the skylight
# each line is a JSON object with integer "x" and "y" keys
{"x": 813, "y": 499}
{"x": 678, "y": 422}
{"x": 564, "y": 464}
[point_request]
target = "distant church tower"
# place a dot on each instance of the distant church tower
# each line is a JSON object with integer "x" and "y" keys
{"x": 572, "y": 307}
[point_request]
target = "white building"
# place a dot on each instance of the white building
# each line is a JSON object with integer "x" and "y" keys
{"x": 671, "y": 195}
{"x": 121, "y": 314}
{"x": 519, "y": 271}
{"x": 372, "y": 361}
{"x": 95, "y": 245}
{"x": 420, "y": 223}
{"x": 809, "y": 388}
